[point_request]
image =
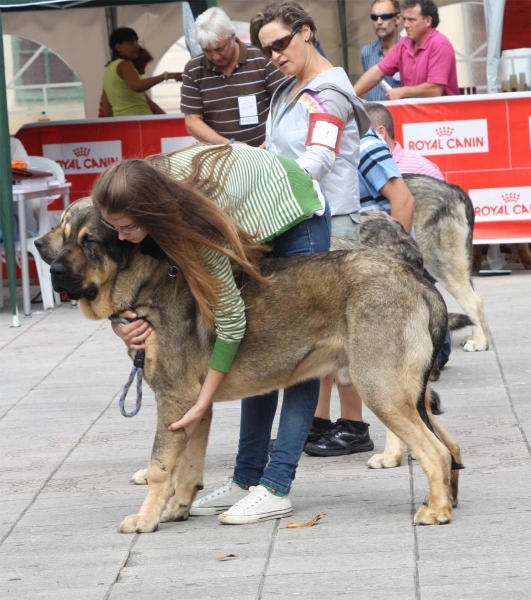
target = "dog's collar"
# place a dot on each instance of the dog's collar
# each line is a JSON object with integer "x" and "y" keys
{"x": 150, "y": 247}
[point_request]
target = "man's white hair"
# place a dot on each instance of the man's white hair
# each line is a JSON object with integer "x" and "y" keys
{"x": 212, "y": 26}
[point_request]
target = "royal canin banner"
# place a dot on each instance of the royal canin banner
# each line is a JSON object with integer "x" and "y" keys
{"x": 481, "y": 142}
{"x": 87, "y": 157}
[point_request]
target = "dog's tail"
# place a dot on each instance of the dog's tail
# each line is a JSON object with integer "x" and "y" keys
{"x": 428, "y": 399}
{"x": 458, "y": 321}
{"x": 431, "y": 399}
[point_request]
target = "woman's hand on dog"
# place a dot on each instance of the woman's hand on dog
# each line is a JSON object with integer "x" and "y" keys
{"x": 133, "y": 334}
{"x": 191, "y": 419}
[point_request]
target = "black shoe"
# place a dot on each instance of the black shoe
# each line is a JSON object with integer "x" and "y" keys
{"x": 342, "y": 438}
{"x": 317, "y": 432}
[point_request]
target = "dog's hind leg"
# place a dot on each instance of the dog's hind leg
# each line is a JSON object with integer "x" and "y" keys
{"x": 434, "y": 458}
{"x": 472, "y": 304}
{"x": 392, "y": 456}
{"x": 432, "y": 405}
{"x": 455, "y": 277}
{"x": 189, "y": 474}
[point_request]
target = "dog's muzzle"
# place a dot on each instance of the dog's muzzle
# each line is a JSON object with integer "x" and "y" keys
{"x": 64, "y": 280}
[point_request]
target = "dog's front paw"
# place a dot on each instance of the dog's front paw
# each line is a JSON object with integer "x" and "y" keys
{"x": 384, "y": 461}
{"x": 138, "y": 524}
{"x": 430, "y": 516}
{"x": 140, "y": 477}
{"x": 470, "y": 344}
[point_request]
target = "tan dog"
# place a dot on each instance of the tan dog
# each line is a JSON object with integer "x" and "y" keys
{"x": 383, "y": 328}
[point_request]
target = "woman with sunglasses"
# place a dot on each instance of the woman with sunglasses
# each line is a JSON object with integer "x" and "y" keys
{"x": 314, "y": 123}
{"x": 316, "y": 119}
{"x": 124, "y": 91}
{"x": 207, "y": 207}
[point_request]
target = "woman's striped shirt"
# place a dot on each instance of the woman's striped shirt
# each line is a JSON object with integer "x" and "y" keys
{"x": 266, "y": 195}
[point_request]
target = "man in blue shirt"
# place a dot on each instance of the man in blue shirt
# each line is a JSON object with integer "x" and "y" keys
{"x": 381, "y": 183}
{"x": 386, "y": 17}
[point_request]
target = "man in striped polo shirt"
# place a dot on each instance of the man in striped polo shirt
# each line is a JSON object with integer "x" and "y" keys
{"x": 408, "y": 162}
{"x": 227, "y": 90}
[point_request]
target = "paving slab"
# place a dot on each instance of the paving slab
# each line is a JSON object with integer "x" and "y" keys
{"x": 67, "y": 455}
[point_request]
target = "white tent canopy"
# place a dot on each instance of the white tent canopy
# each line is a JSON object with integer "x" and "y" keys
{"x": 79, "y": 37}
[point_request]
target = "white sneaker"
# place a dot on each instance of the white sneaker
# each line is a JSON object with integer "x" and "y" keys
{"x": 218, "y": 500}
{"x": 259, "y": 505}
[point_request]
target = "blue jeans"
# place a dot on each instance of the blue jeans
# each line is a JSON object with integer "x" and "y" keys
{"x": 300, "y": 401}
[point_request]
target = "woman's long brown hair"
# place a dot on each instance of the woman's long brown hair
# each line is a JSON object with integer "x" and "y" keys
{"x": 181, "y": 216}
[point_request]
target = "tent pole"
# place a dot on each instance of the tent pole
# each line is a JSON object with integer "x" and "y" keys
{"x": 342, "y": 10}
{"x": 6, "y": 190}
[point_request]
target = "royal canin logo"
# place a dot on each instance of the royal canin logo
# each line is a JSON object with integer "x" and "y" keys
{"x": 81, "y": 151}
{"x": 84, "y": 157}
{"x": 444, "y": 131}
{"x": 447, "y": 137}
{"x": 510, "y": 197}
{"x": 495, "y": 204}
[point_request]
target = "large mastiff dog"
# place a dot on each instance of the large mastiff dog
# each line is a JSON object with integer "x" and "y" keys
{"x": 368, "y": 315}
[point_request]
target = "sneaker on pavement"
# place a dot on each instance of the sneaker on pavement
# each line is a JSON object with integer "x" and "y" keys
{"x": 259, "y": 505}
{"x": 218, "y": 500}
{"x": 342, "y": 438}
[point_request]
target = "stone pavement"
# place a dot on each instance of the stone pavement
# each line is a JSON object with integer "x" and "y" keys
{"x": 66, "y": 456}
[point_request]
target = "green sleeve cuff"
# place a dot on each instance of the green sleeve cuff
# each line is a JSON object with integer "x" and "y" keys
{"x": 223, "y": 355}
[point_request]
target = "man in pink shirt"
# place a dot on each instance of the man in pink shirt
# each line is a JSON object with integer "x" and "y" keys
{"x": 425, "y": 58}
{"x": 408, "y": 162}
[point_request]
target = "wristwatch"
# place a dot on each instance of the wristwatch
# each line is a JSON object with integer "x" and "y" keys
{"x": 165, "y": 75}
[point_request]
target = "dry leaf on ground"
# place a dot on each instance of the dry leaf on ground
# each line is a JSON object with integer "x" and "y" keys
{"x": 227, "y": 557}
{"x": 309, "y": 524}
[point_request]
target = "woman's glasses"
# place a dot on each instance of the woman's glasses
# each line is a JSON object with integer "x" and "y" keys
{"x": 281, "y": 44}
{"x": 384, "y": 16}
{"x": 126, "y": 229}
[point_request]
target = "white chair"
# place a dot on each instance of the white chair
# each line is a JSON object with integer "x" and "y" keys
{"x": 39, "y": 207}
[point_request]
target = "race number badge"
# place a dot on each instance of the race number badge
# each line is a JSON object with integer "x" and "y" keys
{"x": 248, "y": 110}
{"x": 325, "y": 130}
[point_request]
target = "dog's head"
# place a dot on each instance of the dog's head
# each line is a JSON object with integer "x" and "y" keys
{"x": 88, "y": 255}
{"x": 50, "y": 244}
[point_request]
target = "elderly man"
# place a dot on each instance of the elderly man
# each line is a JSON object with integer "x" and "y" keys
{"x": 227, "y": 90}
{"x": 386, "y": 17}
{"x": 408, "y": 162}
{"x": 425, "y": 58}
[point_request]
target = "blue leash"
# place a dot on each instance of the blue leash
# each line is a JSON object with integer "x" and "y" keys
{"x": 138, "y": 366}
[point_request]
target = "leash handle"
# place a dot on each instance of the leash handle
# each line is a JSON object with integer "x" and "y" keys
{"x": 135, "y": 371}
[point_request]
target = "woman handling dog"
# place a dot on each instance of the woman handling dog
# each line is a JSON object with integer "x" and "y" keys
{"x": 204, "y": 207}
{"x": 322, "y": 126}
{"x": 304, "y": 109}
{"x": 315, "y": 118}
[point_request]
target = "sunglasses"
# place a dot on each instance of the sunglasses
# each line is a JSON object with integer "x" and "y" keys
{"x": 384, "y": 17}
{"x": 126, "y": 229}
{"x": 281, "y": 44}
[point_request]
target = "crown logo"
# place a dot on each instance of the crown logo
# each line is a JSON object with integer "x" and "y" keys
{"x": 448, "y": 131}
{"x": 511, "y": 197}
{"x": 81, "y": 151}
